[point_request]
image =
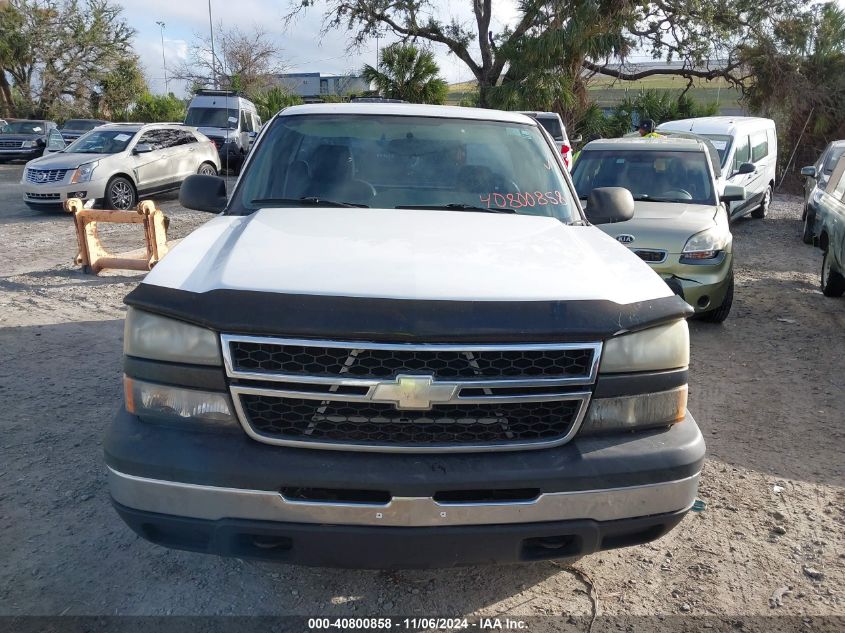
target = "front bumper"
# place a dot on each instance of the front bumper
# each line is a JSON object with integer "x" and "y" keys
{"x": 703, "y": 286}
{"x": 222, "y": 493}
{"x": 57, "y": 193}
{"x": 21, "y": 154}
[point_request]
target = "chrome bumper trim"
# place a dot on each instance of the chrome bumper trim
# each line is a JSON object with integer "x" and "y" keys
{"x": 213, "y": 503}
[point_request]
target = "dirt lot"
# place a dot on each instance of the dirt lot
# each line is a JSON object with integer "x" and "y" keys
{"x": 767, "y": 388}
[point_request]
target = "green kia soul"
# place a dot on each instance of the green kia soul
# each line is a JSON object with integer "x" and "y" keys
{"x": 680, "y": 226}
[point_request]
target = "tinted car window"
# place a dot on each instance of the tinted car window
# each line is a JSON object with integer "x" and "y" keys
{"x": 404, "y": 161}
{"x": 24, "y": 127}
{"x": 743, "y": 152}
{"x": 552, "y": 126}
{"x": 759, "y": 146}
{"x": 212, "y": 117}
{"x": 81, "y": 125}
{"x": 665, "y": 176}
{"x": 722, "y": 143}
{"x": 833, "y": 157}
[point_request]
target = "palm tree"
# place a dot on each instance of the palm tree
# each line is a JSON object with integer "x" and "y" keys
{"x": 408, "y": 73}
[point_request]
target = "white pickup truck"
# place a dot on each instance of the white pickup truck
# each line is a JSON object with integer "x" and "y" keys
{"x": 401, "y": 343}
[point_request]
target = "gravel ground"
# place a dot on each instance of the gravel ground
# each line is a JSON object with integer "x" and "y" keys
{"x": 767, "y": 389}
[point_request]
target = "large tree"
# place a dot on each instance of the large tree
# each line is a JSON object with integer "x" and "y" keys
{"x": 696, "y": 33}
{"x": 55, "y": 49}
{"x": 409, "y": 73}
{"x": 241, "y": 60}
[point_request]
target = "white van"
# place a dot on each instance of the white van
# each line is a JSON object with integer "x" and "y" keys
{"x": 229, "y": 120}
{"x": 748, "y": 148}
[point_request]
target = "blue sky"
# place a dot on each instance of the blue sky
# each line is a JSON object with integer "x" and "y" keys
{"x": 303, "y": 48}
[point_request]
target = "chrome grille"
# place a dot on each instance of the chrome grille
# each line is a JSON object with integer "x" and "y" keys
{"x": 45, "y": 176}
{"x": 405, "y": 397}
{"x": 11, "y": 144}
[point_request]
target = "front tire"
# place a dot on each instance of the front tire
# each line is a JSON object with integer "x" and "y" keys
{"x": 809, "y": 221}
{"x": 832, "y": 282}
{"x": 760, "y": 212}
{"x": 120, "y": 194}
{"x": 207, "y": 169}
{"x": 721, "y": 313}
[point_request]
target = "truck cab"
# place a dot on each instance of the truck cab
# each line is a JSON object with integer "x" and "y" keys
{"x": 401, "y": 343}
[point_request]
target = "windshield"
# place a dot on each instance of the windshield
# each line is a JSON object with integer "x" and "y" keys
{"x": 101, "y": 142}
{"x": 23, "y": 127}
{"x": 833, "y": 158}
{"x": 406, "y": 162}
{"x": 666, "y": 176}
{"x": 212, "y": 117}
{"x": 722, "y": 143}
{"x": 81, "y": 125}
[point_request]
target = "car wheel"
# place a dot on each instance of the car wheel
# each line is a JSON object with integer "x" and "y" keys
{"x": 833, "y": 283}
{"x": 207, "y": 169}
{"x": 721, "y": 313}
{"x": 761, "y": 211}
{"x": 809, "y": 221}
{"x": 120, "y": 194}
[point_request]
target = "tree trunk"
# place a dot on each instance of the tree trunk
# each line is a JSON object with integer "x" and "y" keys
{"x": 8, "y": 104}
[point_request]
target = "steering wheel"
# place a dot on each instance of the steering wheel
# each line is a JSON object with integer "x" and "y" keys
{"x": 683, "y": 194}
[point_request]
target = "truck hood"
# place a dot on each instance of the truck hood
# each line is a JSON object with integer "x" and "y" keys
{"x": 407, "y": 254}
{"x": 663, "y": 226}
{"x": 20, "y": 137}
{"x": 63, "y": 160}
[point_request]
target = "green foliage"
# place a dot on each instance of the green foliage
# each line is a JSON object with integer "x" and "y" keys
{"x": 799, "y": 79}
{"x": 409, "y": 73}
{"x": 658, "y": 105}
{"x": 60, "y": 50}
{"x": 120, "y": 87}
{"x": 270, "y": 102}
{"x": 151, "y": 108}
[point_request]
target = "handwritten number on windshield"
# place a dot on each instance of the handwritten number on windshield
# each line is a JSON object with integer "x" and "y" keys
{"x": 519, "y": 199}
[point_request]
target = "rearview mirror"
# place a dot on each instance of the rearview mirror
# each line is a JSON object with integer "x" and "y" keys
{"x": 733, "y": 193}
{"x": 809, "y": 172}
{"x": 746, "y": 168}
{"x": 607, "y": 205}
{"x": 142, "y": 148}
{"x": 204, "y": 193}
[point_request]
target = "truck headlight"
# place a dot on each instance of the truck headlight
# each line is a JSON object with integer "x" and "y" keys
{"x": 654, "y": 349}
{"x": 658, "y": 409}
{"x": 707, "y": 244}
{"x": 28, "y": 144}
{"x": 146, "y": 399}
{"x": 84, "y": 172}
{"x": 148, "y": 335}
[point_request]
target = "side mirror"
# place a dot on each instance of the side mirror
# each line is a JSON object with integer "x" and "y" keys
{"x": 607, "y": 205}
{"x": 577, "y": 139}
{"x": 142, "y": 148}
{"x": 733, "y": 193}
{"x": 746, "y": 168}
{"x": 204, "y": 193}
{"x": 809, "y": 172}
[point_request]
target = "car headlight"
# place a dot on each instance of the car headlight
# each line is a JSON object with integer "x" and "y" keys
{"x": 148, "y": 335}
{"x": 655, "y": 349}
{"x": 707, "y": 244}
{"x": 647, "y": 410}
{"x": 84, "y": 172}
{"x": 28, "y": 144}
{"x": 177, "y": 404}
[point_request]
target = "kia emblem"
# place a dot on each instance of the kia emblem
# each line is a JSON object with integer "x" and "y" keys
{"x": 625, "y": 238}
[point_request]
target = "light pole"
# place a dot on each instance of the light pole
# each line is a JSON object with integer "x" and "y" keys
{"x": 163, "y": 62}
{"x": 213, "y": 56}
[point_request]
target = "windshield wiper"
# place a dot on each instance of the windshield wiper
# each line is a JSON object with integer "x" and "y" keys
{"x": 310, "y": 201}
{"x": 455, "y": 206}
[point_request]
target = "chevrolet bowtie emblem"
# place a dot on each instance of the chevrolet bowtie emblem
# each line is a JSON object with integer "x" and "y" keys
{"x": 414, "y": 392}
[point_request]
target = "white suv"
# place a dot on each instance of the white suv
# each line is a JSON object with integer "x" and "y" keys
{"x": 118, "y": 163}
